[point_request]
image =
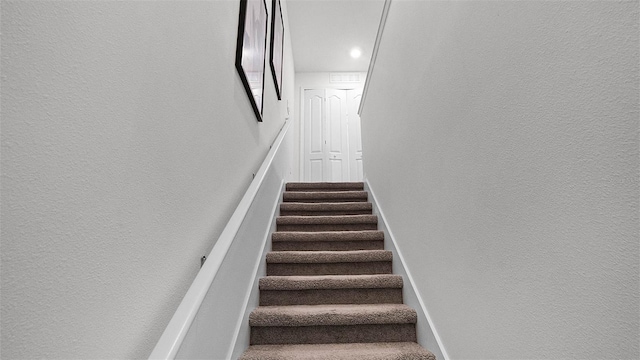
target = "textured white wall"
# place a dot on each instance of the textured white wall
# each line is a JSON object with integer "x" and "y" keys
{"x": 501, "y": 139}
{"x": 127, "y": 142}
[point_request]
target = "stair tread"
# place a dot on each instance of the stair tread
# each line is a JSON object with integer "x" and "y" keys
{"x": 314, "y": 282}
{"x": 326, "y": 196}
{"x": 364, "y": 235}
{"x": 317, "y": 257}
{"x": 326, "y": 206}
{"x": 305, "y": 186}
{"x": 326, "y": 219}
{"x": 349, "y": 351}
{"x": 331, "y": 315}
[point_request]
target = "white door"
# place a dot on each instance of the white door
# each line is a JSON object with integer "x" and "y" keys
{"x": 355, "y": 139}
{"x": 326, "y": 136}
{"x": 337, "y": 136}
{"x": 314, "y": 138}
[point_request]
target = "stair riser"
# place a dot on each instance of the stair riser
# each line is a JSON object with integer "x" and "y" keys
{"x": 361, "y": 268}
{"x": 324, "y": 213}
{"x": 327, "y": 227}
{"x": 328, "y": 236}
{"x": 319, "y": 189}
{"x": 330, "y": 296}
{"x": 326, "y": 245}
{"x": 329, "y": 197}
{"x": 358, "y": 186}
{"x": 321, "y": 200}
{"x": 262, "y": 335}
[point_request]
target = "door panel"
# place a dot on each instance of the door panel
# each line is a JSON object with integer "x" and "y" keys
{"x": 334, "y": 122}
{"x": 316, "y": 168}
{"x": 355, "y": 140}
{"x": 337, "y": 134}
{"x": 337, "y": 171}
{"x": 314, "y": 139}
{"x": 315, "y": 107}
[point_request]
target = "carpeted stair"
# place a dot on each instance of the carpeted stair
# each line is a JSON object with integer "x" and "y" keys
{"x": 329, "y": 292}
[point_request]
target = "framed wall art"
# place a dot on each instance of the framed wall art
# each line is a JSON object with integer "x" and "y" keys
{"x": 277, "y": 46}
{"x": 251, "y": 50}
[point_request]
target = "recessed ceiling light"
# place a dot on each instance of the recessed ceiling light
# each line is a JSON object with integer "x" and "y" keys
{"x": 356, "y": 53}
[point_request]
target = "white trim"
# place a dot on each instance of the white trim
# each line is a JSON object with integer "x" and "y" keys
{"x": 175, "y": 332}
{"x": 351, "y": 77}
{"x": 374, "y": 53}
{"x": 408, "y": 273}
{"x": 250, "y": 289}
{"x": 301, "y": 134}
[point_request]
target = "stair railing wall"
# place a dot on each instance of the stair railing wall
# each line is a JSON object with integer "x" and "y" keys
{"x": 209, "y": 321}
{"x": 426, "y": 332}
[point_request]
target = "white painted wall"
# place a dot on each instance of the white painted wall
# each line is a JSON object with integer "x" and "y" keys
{"x": 229, "y": 279}
{"x": 127, "y": 142}
{"x": 315, "y": 80}
{"x": 501, "y": 140}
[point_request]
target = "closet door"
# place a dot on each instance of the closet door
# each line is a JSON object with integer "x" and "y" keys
{"x": 326, "y": 136}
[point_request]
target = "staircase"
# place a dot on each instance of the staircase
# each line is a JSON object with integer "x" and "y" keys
{"x": 329, "y": 292}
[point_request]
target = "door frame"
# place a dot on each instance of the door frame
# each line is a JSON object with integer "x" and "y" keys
{"x": 301, "y": 114}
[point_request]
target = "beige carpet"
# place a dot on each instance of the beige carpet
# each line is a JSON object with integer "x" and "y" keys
{"x": 329, "y": 292}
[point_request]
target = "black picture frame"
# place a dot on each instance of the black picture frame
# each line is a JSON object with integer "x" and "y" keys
{"x": 251, "y": 51}
{"x": 277, "y": 46}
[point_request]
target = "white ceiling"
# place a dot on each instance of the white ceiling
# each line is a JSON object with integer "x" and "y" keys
{"x": 323, "y": 32}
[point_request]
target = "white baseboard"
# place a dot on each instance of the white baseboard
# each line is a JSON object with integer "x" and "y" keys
{"x": 427, "y": 334}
